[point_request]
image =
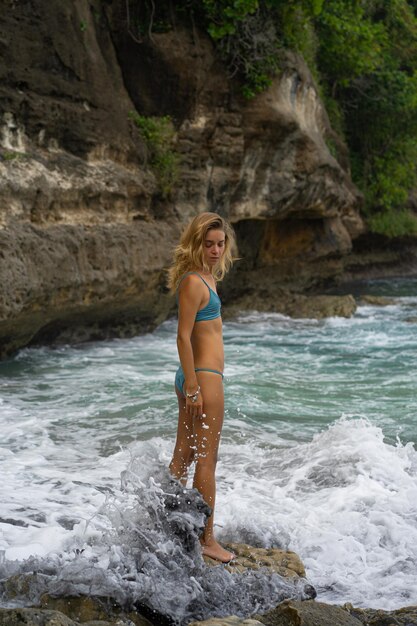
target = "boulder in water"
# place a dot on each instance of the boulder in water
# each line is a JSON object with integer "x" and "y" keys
{"x": 311, "y": 613}
{"x": 283, "y": 562}
{"x": 294, "y": 305}
{"x": 85, "y": 609}
{"x": 377, "y": 300}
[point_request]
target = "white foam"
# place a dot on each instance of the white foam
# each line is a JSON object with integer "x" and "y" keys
{"x": 346, "y": 503}
{"x": 342, "y": 497}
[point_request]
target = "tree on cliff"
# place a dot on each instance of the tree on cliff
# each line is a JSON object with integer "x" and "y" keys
{"x": 363, "y": 55}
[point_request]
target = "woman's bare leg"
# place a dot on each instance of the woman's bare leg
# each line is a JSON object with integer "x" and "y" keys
{"x": 207, "y": 431}
{"x": 184, "y": 447}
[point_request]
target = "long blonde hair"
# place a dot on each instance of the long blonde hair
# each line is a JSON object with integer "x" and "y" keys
{"x": 188, "y": 254}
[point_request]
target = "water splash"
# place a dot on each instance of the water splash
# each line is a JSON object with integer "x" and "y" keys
{"x": 345, "y": 501}
{"x": 149, "y": 555}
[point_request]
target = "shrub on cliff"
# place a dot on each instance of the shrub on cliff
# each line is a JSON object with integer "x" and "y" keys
{"x": 158, "y": 134}
{"x": 363, "y": 54}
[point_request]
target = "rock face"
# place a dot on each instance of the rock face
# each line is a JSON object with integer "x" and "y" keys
{"x": 41, "y": 617}
{"x": 231, "y": 620}
{"x": 294, "y": 305}
{"x": 95, "y": 611}
{"x": 77, "y": 283}
{"x": 87, "y": 610}
{"x": 85, "y": 230}
{"x": 407, "y": 616}
{"x": 311, "y": 613}
{"x": 283, "y": 562}
{"x": 288, "y": 613}
{"x": 375, "y": 256}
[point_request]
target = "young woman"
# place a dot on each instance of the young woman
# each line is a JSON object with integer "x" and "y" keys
{"x": 202, "y": 258}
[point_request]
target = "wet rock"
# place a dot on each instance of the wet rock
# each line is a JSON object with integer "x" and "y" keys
{"x": 309, "y": 613}
{"x": 67, "y": 611}
{"x": 376, "y": 300}
{"x": 376, "y": 256}
{"x": 37, "y": 617}
{"x": 231, "y": 620}
{"x": 294, "y": 305}
{"x": 19, "y": 585}
{"x": 154, "y": 564}
{"x": 283, "y": 562}
{"x": 292, "y": 613}
{"x": 319, "y": 307}
{"x": 258, "y": 577}
{"x": 406, "y": 616}
{"x": 42, "y": 617}
{"x": 84, "y": 609}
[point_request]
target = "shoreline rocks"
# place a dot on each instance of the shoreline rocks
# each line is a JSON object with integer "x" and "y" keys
{"x": 295, "y": 305}
{"x": 283, "y": 562}
{"x": 376, "y": 300}
{"x": 102, "y": 611}
{"x": 312, "y": 613}
{"x": 46, "y": 617}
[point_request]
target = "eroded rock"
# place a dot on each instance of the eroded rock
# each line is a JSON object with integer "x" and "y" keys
{"x": 85, "y": 230}
{"x": 42, "y": 617}
{"x": 406, "y": 616}
{"x": 294, "y": 305}
{"x": 231, "y": 620}
{"x": 36, "y": 617}
{"x": 68, "y": 283}
{"x": 84, "y": 609}
{"x": 376, "y": 300}
{"x": 283, "y": 562}
{"x": 309, "y": 613}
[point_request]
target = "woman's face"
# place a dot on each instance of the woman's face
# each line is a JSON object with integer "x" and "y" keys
{"x": 213, "y": 246}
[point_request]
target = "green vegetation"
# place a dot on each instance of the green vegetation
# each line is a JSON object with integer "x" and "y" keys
{"x": 224, "y": 17}
{"x": 394, "y": 224}
{"x": 12, "y": 156}
{"x": 363, "y": 56}
{"x": 158, "y": 134}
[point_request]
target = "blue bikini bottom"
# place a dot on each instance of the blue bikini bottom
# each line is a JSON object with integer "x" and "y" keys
{"x": 180, "y": 378}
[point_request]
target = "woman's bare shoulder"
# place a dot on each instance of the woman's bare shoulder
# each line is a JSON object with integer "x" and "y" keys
{"x": 191, "y": 286}
{"x": 191, "y": 281}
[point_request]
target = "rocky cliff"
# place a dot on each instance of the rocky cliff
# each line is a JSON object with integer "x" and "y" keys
{"x": 85, "y": 230}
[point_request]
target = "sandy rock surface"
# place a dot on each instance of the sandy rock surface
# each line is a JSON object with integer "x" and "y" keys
{"x": 283, "y": 562}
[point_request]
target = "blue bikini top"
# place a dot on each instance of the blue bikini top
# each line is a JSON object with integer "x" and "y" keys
{"x": 212, "y": 310}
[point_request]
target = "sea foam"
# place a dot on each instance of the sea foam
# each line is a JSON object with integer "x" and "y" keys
{"x": 346, "y": 503}
{"x": 147, "y": 554}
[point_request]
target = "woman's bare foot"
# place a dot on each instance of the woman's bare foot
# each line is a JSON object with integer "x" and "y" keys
{"x": 215, "y": 551}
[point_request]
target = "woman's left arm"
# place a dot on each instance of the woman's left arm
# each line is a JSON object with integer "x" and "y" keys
{"x": 189, "y": 301}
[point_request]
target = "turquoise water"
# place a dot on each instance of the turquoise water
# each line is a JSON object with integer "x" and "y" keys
{"x": 318, "y": 451}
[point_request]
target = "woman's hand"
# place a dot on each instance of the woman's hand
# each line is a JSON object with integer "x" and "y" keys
{"x": 195, "y": 409}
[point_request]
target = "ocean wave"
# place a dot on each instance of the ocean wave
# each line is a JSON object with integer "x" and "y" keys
{"x": 346, "y": 502}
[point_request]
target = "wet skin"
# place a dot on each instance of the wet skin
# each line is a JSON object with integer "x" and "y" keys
{"x": 200, "y": 423}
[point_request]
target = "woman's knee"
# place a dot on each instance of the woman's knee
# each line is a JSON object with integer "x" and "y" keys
{"x": 185, "y": 454}
{"x": 206, "y": 459}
